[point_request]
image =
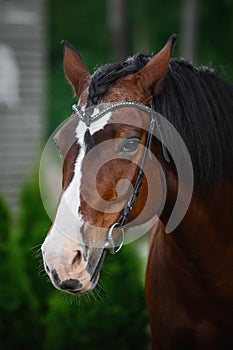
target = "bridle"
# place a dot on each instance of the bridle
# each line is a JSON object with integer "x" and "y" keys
{"x": 87, "y": 117}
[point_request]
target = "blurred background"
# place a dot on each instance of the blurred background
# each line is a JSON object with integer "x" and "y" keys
{"x": 34, "y": 100}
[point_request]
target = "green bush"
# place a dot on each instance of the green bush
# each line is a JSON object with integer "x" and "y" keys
{"x": 4, "y": 222}
{"x": 21, "y": 289}
{"x": 33, "y": 226}
{"x": 16, "y": 309}
{"x": 114, "y": 314}
{"x": 6, "y": 300}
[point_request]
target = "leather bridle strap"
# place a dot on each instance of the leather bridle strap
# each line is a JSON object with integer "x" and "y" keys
{"x": 130, "y": 204}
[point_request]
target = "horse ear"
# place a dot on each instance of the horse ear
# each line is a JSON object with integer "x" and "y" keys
{"x": 75, "y": 70}
{"x": 153, "y": 73}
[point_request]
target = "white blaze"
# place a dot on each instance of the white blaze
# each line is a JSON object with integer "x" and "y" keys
{"x": 68, "y": 220}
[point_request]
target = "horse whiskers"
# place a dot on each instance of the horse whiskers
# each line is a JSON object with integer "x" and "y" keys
{"x": 95, "y": 297}
{"x": 98, "y": 294}
{"x": 72, "y": 300}
{"x": 36, "y": 252}
{"x": 37, "y": 247}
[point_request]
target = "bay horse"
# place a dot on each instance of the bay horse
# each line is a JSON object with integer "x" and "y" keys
{"x": 111, "y": 140}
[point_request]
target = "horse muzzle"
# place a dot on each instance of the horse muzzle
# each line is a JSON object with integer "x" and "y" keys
{"x": 72, "y": 267}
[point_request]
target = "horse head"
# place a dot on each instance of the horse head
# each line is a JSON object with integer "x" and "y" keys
{"x": 106, "y": 147}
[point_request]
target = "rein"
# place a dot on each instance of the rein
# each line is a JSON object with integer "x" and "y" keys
{"x": 87, "y": 117}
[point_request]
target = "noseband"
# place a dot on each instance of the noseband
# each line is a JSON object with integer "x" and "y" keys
{"x": 87, "y": 117}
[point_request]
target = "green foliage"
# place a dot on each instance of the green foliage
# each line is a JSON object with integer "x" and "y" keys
{"x": 5, "y": 278}
{"x": 16, "y": 307}
{"x": 34, "y": 222}
{"x": 33, "y": 227}
{"x": 60, "y": 97}
{"x": 40, "y": 317}
{"x": 115, "y": 314}
{"x": 4, "y": 221}
{"x": 215, "y": 35}
{"x": 83, "y": 23}
{"x": 21, "y": 292}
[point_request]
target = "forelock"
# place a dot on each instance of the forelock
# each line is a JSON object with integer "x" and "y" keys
{"x": 105, "y": 76}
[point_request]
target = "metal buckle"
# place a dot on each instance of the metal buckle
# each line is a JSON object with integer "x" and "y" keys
{"x": 110, "y": 244}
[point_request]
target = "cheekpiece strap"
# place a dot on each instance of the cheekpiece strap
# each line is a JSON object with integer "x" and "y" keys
{"x": 89, "y": 117}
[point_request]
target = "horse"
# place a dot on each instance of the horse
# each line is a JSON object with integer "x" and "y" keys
{"x": 121, "y": 173}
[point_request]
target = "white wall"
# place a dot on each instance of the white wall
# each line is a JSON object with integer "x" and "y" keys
{"x": 23, "y": 32}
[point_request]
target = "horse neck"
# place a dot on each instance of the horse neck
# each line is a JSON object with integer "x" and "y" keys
{"x": 206, "y": 229}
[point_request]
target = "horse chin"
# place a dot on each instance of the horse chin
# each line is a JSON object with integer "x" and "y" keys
{"x": 96, "y": 274}
{"x": 87, "y": 289}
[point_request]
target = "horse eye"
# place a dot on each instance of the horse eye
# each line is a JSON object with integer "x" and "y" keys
{"x": 130, "y": 146}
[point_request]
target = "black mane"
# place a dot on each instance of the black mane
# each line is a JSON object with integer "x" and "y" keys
{"x": 196, "y": 101}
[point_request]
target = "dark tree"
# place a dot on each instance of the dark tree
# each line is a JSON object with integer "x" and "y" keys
{"x": 117, "y": 28}
{"x": 189, "y": 29}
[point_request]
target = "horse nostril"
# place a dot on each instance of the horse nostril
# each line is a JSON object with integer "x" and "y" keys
{"x": 55, "y": 277}
{"x": 71, "y": 285}
{"x": 78, "y": 258}
{"x": 67, "y": 285}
